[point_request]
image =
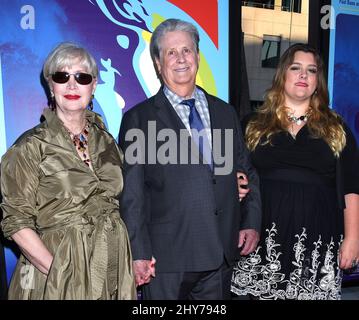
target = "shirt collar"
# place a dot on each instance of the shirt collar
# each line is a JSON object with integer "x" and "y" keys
{"x": 56, "y": 124}
{"x": 175, "y": 99}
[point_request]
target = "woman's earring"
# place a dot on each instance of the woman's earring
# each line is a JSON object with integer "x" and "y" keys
{"x": 90, "y": 106}
{"x": 52, "y": 102}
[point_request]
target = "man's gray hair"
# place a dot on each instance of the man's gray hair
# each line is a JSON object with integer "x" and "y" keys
{"x": 66, "y": 54}
{"x": 171, "y": 25}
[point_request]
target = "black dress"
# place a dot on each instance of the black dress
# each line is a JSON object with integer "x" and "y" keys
{"x": 297, "y": 257}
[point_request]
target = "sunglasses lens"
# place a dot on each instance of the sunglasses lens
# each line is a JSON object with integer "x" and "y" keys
{"x": 83, "y": 78}
{"x": 60, "y": 77}
{"x": 63, "y": 77}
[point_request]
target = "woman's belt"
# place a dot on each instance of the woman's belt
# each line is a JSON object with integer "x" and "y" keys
{"x": 100, "y": 229}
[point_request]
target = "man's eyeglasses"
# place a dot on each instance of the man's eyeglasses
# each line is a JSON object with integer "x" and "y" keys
{"x": 63, "y": 77}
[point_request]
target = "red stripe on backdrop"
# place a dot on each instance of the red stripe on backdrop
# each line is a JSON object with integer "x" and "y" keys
{"x": 204, "y": 12}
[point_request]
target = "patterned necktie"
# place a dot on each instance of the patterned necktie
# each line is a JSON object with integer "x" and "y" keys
{"x": 197, "y": 126}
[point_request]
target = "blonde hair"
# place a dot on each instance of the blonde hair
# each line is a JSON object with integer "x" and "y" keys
{"x": 65, "y": 55}
{"x": 272, "y": 118}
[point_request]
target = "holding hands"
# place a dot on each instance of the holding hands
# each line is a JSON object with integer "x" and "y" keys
{"x": 144, "y": 270}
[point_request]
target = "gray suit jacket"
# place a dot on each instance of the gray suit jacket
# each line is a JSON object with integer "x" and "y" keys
{"x": 185, "y": 215}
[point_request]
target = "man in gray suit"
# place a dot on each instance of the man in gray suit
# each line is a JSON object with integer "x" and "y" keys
{"x": 183, "y": 148}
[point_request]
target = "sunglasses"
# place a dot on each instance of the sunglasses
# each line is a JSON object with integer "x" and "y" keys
{"x": 63, "y": 77}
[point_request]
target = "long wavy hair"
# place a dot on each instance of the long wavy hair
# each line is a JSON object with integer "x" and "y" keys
{"x": 272, "y": 116}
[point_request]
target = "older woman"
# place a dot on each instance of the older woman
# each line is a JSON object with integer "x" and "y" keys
{"x": 307, "y": 160}
{"x": 60, "y": 183}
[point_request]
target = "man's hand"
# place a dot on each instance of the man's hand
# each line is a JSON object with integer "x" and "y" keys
{"x": 248, "y": 240}
{"x": 242, "y": 182}
{"x": 143, "y": 270}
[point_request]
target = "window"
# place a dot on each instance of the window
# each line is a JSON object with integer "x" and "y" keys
{"x": 270, "y": 51}
{"x": 292, "y": 5}
{"x": 259, "y": 4}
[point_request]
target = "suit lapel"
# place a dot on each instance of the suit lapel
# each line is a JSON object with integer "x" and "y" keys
{"x": 166, "y": 113}
{"x": 216, "y": 116}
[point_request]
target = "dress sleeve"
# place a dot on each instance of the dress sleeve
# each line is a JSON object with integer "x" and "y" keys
{"x": 19, "y": 182}
{"x": 350, "y": 164}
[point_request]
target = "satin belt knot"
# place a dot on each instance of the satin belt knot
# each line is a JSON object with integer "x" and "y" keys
{"x": 103, "y": 264}
{"x": 102, "y": 230}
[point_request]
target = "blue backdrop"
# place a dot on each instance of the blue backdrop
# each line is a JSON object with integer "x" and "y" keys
{"x": 117, "y": 33}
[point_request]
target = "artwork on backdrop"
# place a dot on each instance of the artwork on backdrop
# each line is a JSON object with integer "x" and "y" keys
{"x": 343, "y": 76}
{"x": 117, "y": 33}
{"x": 343, "y": 71}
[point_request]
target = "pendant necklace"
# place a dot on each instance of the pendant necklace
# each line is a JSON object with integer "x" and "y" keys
{"x": 298, "y": 121}
{"x": 80, "y": 142}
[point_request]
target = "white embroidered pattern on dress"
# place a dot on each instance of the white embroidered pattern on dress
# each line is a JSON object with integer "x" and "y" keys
{"x": 308, "y": 281}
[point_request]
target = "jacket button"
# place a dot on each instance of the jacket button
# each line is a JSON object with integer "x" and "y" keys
{"x": 216, "y": 213}
{"x": 214, "y": 181}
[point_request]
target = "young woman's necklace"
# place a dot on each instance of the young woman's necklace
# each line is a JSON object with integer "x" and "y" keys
{"x": 298, "y": 120}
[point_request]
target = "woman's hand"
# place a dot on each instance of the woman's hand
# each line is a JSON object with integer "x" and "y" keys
{"x": 33, "y": 249}
{"x": 349, "y": 250}
{"x": 144, "y": 270}
{"x": 349, "y": 253}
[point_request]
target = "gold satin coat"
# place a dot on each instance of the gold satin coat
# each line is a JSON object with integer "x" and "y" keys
{"x": 46, "y": 187}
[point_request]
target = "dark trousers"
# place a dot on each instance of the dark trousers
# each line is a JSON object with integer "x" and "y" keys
{"x": 206, "y": 285}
